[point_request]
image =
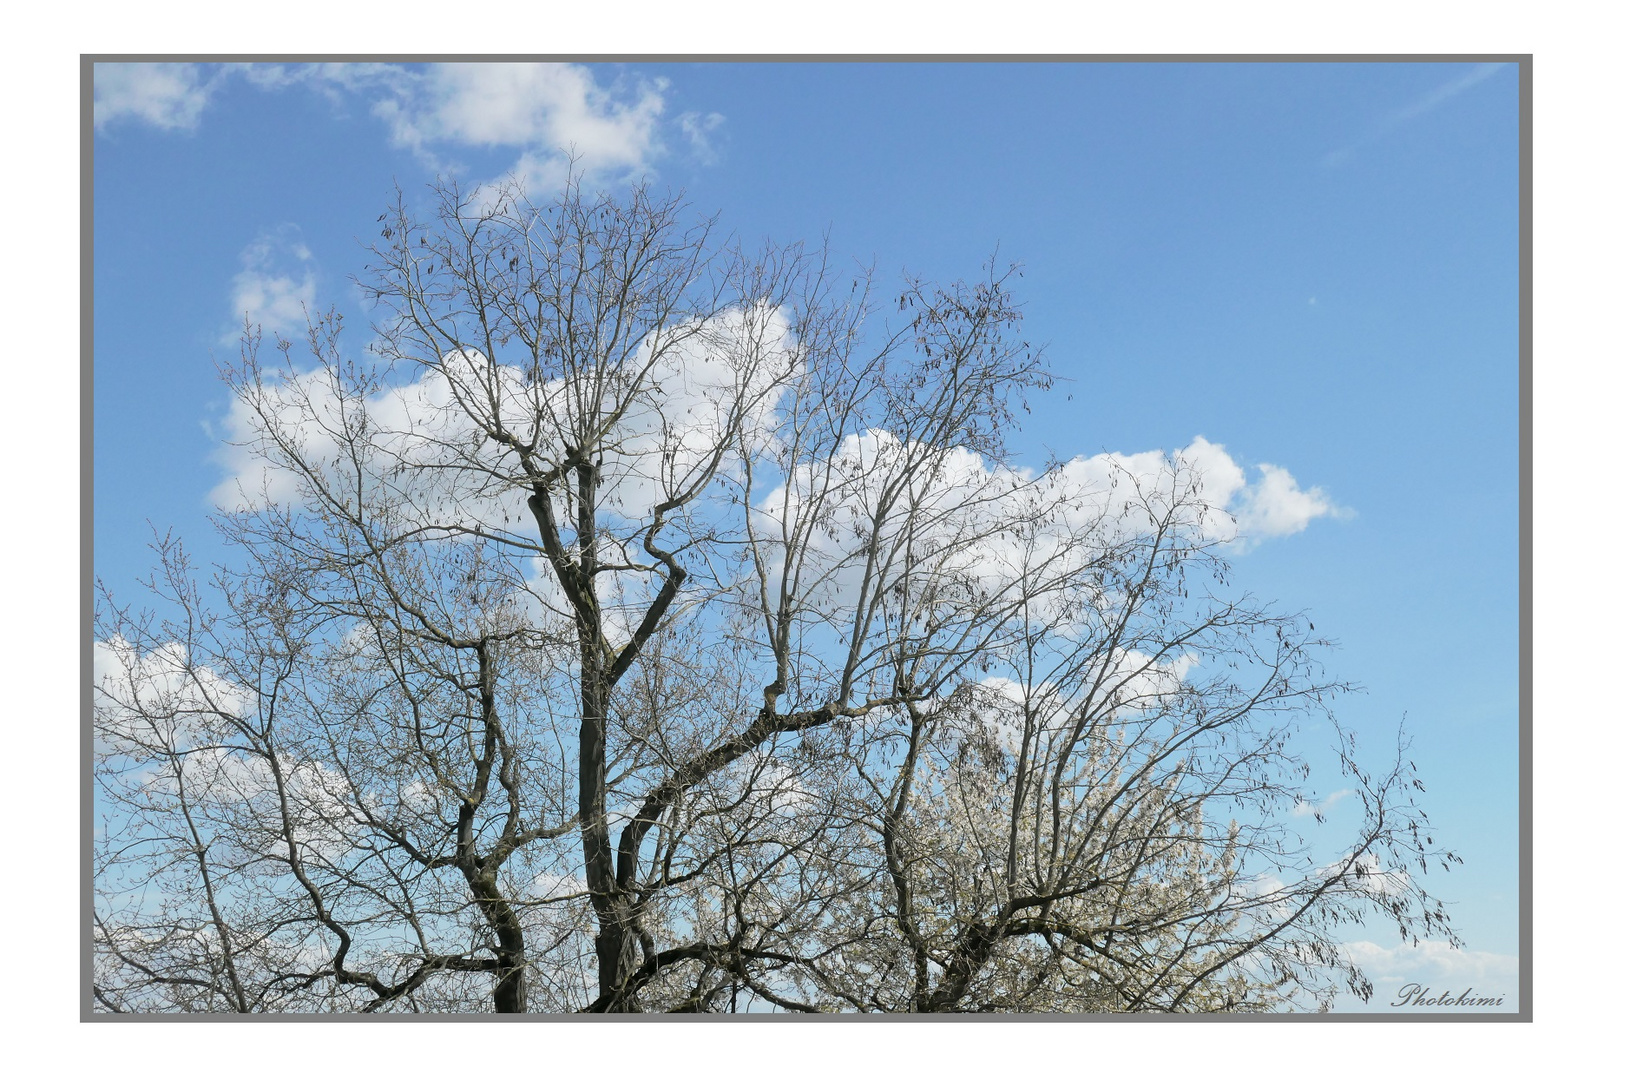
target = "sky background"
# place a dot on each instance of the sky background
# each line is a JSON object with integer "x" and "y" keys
{"x": 1314, "y": 265}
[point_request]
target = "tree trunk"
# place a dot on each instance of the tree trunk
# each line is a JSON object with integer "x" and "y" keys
{"x": 509, "y": 992}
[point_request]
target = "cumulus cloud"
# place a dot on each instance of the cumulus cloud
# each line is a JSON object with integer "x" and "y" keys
{"x": 277, "y": 285}
{"x": 541, "y": 107}
{"x": 420, "y": 431}
{"x": 982, "y": 532}
{"x": 964, "y": 510}
{"x": 557, "y": 116}
{"x": 421, "y": 452}
{"x": 178, "y": 717}
{"x": 1276, "y": 506}
{"x": 548, "y": 114}
{"x": 137, "y": 695}
{"x": 167, "y": 96}
{"x": 1228, "y": 506}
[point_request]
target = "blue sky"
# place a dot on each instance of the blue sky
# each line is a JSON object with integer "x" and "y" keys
{"x": 1314, "y": 265}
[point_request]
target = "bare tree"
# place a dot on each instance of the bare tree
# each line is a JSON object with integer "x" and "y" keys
{"x": 647, "y": 624}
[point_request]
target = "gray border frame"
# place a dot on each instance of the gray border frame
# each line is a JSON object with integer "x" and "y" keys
{"x": 1525, "y": 520}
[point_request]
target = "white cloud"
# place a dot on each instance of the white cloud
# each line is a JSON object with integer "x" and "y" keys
{"x": 1133, "y": 681}
{"x": 178, "y": 716}
{"x": 1109, "y": 496}
{"x": 1454, "y": 87}
{"x": 1367, "y": 876}
{"x": 277, "y": 285}
{"x": 699, "y": 129}
{"x": 418, "y": 438}
{"x": 136, "y": 695}
{"x": 1419, "y": 107}
{"x": 168, "y": 96}
{"x": 664, "y": 437}
{"x": 555, "y": 106}
{"x": 549, "y": 885}
{"x": 549, "y": 114}
{"x": 425, "y": 456}
{"x": 1323, "y": 806}
{"x": 1276, "y": 506}
{"x": 1436, "y": 965}
{"x": 1227, "y": 506}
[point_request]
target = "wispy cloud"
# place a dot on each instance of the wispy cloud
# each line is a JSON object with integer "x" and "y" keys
{"x": 1434, "y": 966}
{"x": 699, "y": 130}
{"x": 1422, "y": 105}
{"x": 277, "y": 286}
{"x": 1427, "y": 102}
{"x": 1323, "y": 806}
